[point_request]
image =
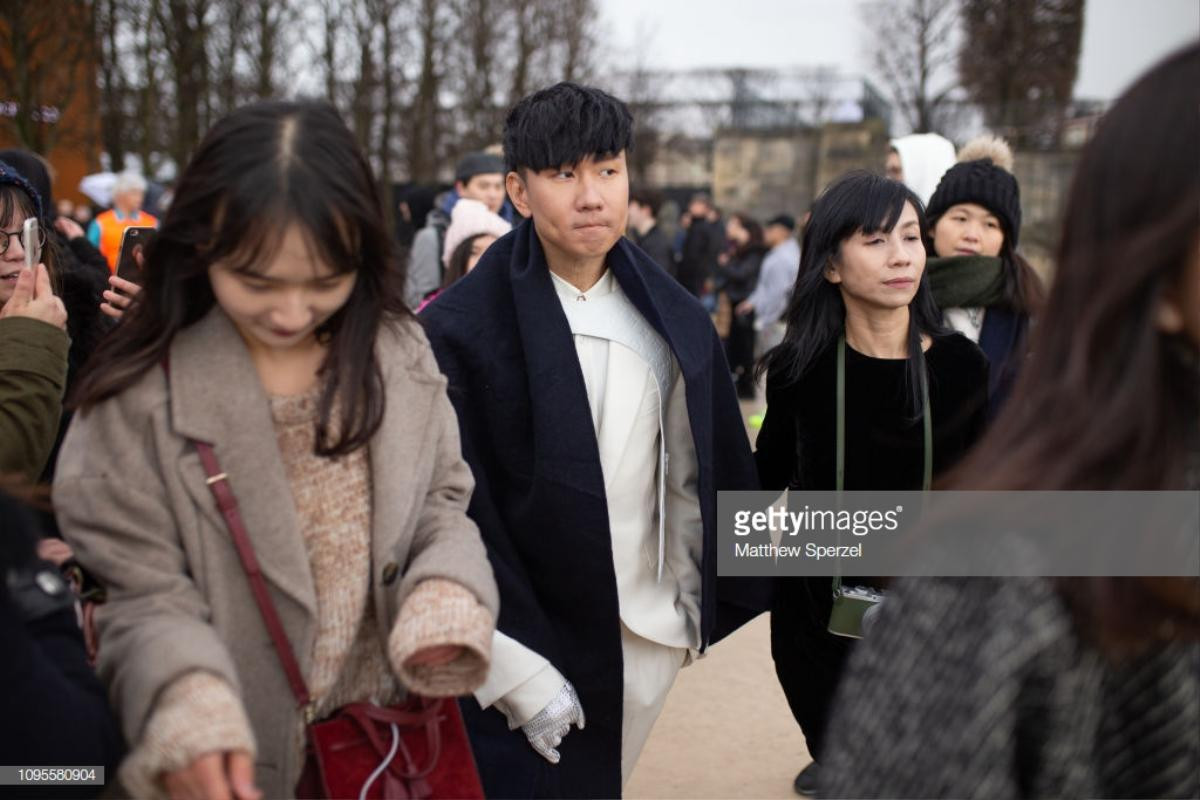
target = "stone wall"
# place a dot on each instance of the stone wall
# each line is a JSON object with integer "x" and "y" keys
{"x": 767, "y": 172}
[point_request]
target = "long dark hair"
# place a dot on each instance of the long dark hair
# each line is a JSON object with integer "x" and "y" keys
{"x": 457, "y": 267}
{"x": 1106, "y": 401}
{"x": 816, "y": 314}
{"x": 260, "y": 170}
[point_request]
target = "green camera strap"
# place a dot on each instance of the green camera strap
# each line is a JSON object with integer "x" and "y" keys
{"x": 927, "y": 420}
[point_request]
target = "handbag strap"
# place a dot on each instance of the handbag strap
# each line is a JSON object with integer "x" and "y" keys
{"x": 218, "y": 483}
{"x": 927, "y": 437}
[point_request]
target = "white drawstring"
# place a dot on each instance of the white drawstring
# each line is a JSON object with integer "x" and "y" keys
{"x": 362, "y": 795}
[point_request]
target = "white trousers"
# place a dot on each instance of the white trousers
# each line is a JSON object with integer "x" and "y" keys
{"x": 650, "y": 670}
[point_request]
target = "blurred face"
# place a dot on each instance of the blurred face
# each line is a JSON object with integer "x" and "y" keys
{"x": 281, "y": 306}
{"x": 13, "y": 259}
{"x": 698, "y": 209}
{"x": 892, "y": 167}
{"x": 487, "y": 189}
{"x": 881, "y": 270}
{"x": 579, "y": 211}
{"x": 478, "y": 247}
{"x": 735, "y": 232}
{"x": 637, "y": 214}
{"x": 776, "y": 235}
{"x": 129, "y": 200}
{"x": 968, "y": 229}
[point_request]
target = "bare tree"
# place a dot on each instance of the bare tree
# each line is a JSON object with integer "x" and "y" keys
{"x": 574, "y": 26}
{"x": 45, "y": 49}
{"x": 476, "y": 70}
{"x": 1024, "y": 84}
{"x": 331, "y": 27}
{"x": 363, "y": 86}
{"x": 529, "y": 20}
{"x": 228, "y": 48}
{"x": 424, "y": 131}
{"x": 387, "y": 16}
{"x": 642, "y": 93}
{"x": 147, "y": 131}
{"x": 111, "y": 78}
{"x": 420, "y": 81}
{"x": 184, "y": 25}
{"x": 912, "y": 48}
{"x": 271, "y": 21}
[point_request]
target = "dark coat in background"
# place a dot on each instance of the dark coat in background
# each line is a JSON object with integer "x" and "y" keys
{"x": 703, "y": 243}
{"x": 738, "y": 276}
{"x": 656, "y": 245}
{"x": 502, "y": 339}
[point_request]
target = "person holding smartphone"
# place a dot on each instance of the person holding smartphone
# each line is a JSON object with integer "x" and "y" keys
{"x": 33, "y": 337}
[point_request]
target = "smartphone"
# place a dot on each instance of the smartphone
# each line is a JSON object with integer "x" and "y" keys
{"x": 31, "y": 243}
{"x": 133, "y": 243}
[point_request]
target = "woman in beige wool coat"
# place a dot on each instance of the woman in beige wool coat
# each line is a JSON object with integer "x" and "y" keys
{"x": 269, "y": 328}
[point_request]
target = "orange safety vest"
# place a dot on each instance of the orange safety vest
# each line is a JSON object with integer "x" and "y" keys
{"x": 112, "y": 228}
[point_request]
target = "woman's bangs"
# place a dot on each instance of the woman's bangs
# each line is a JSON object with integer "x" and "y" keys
{"x": 255, "y": 241}
{"x": 13, "y": 203}
{"x": 882, "y": 207}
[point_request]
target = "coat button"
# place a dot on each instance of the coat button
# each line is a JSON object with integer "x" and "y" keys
{"x": 390, "y": 572}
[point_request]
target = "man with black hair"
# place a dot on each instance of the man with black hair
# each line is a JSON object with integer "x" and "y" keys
{"x": 479, "y": 176}
{"x": 599, "y": 419}
{"x": 643, "y": 228}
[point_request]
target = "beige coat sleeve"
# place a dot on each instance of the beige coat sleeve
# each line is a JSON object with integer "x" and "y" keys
{"x": 111, "y": 500}
{"x": 446, "y": 543}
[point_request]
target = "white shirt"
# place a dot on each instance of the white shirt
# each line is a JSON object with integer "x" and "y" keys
{"x": 623, "y": 400}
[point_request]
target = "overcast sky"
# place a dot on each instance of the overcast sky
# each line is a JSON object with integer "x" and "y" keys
{"x": 1121, "y": 38}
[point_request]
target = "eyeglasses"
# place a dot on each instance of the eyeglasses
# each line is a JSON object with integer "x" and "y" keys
{"x": 8, "y": 236}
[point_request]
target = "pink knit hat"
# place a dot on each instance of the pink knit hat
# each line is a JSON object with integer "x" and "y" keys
{"x": 470, "y": 218}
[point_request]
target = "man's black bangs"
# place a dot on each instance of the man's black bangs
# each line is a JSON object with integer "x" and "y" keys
{"x": 564, "y": 125}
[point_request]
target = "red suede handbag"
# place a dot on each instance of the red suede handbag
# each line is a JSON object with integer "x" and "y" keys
{"x": 415, "y": 749}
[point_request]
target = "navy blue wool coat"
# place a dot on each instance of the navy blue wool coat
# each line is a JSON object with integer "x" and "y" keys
{"x": 502, "y": 339}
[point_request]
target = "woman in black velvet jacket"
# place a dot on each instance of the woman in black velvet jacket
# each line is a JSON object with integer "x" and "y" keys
{"x": 862, "y": 277}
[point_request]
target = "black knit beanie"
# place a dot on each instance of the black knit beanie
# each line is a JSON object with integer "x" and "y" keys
{"x": 985, "y": 184}
{"x": 31, "y": 167}
{"x": 11, "y": 177}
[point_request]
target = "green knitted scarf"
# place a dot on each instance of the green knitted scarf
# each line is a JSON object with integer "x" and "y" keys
{"x": 966, "y": 281}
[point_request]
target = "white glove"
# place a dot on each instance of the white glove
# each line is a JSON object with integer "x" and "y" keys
{"x": 546, "y": 730}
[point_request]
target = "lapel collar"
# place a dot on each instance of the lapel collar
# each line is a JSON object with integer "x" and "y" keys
{"x": 216, "y": 397}
{"x": 393, "y": 454}
{"x": 564, "y": 440}
{"x": 673, "y": 322}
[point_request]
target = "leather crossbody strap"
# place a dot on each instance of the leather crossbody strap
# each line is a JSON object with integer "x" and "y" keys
{"x": 218, "y": 483}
